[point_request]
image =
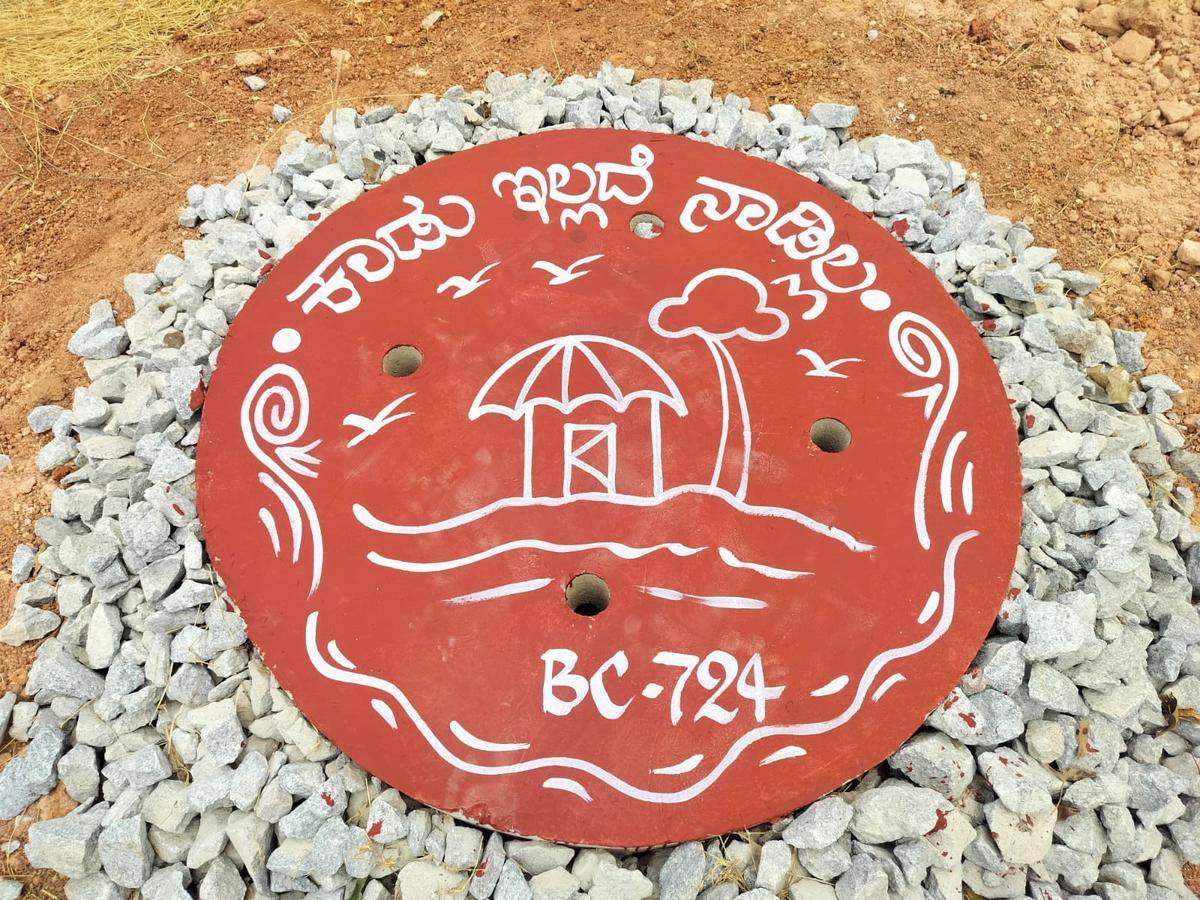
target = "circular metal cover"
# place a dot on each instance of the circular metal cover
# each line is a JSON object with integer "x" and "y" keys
{"x": 775, "y": 448}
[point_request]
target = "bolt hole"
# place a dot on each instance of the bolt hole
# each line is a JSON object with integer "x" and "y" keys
{"x": 401, "y": 361}
{"x": 587, "y": 594}
{"x": 830, "y": 435}
{"x": 646, "y": 225}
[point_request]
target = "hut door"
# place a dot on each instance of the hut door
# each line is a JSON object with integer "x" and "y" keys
{"x": 589, "y": 459}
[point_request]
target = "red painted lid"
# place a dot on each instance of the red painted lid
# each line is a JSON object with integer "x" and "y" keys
{"x": 775, "y": 446}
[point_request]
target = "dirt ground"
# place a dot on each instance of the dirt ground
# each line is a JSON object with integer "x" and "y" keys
{"x": 1061, "y": 133}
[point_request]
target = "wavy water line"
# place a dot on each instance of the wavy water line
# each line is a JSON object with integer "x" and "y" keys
{"x": 682, "y": 795}
{"x": 624, "y": 551}
{"x": 366, "y": 518}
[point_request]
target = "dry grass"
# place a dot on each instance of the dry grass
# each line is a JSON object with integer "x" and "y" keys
{"x": 46, "y": 42}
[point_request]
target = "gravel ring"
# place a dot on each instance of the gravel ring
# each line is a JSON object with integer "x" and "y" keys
{"x": 1059, "y": 766}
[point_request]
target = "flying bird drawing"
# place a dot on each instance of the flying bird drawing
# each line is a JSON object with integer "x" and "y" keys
{"x": 819, "y": 298}
{"x": 560, "y": 275}
{"x": 369, "y": 426}
{"x": 822, "y": 369}
{"x": 463, "y": 285}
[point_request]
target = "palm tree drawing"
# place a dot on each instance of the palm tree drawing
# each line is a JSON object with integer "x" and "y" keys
{"x": 720, "y": 298}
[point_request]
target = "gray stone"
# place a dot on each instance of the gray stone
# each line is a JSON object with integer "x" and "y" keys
{"x": 167, "y": 807}
{"x": 171, "y": 464}
{"x": 553, "y": 884}
{"x": 31, "y": 775}
{"x": 125, "y": 852}
{"x": 1022, "y": 838}
{"x": 427, "y": 880}
{"x": 1021, "y": 783}
{"x": 682, "y": 875}
{"x": 820, "y": 824}
{"x": 303, "y": 822}
{"x": 66, "y": 845}
{"x": 463, "y": 847}
{"x": 1053, "y": 629}
{"x": 936, "y": 761}
{"x": 864, "y": 880}
{"x": 248, "y": 780}
{"x": 895, "y": 811}
{"x": 23, "y": 559}
{"x": 511, "y": 884}
{"x": 103, "y": 635}
{"x": 1015, "y": 282}
{"x": 210, "y": 838}
{"x": 536, "y": 857}
{"x": 774, "y": 866}
{"x": 79, "y": 774}
{"x": 611, "y": 882}
{"x": 100, "y": 337}
{"x": 832, "y": 115}
{"x": 250, "y": 837}
{"x": 28, "y": 623}
{"x": 1045, "y": 740}
{"x": 168, "y": 884}
{"x": 1151, "y": 787}
{"x": 223, "y": 882}
{"x": 1050, "y": 449}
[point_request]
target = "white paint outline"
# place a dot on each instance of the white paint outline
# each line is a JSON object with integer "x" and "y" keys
{"x": 783, "y": 753}
{"x": 831, "y": 687}
{"x": 573, "y": 455}
{"x": 948, "y": 470}
{"x": 499, "y": 591}
{"x": 733, "y": 562}
{"x": 570, "y": 785}
{"x": 680, "y": 768}
{"x": 887, "y": 685}
{"x": 722, "y": 602}
{"x": 268, "y": 522}
{"x": 476, "y": 743}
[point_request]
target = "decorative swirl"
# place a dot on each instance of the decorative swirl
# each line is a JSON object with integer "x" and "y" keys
{"x": 924, "y": 352}
{"x": 274, "y": 418}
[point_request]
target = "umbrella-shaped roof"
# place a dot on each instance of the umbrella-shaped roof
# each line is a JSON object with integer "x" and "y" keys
{"x": 564, "y": 373}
